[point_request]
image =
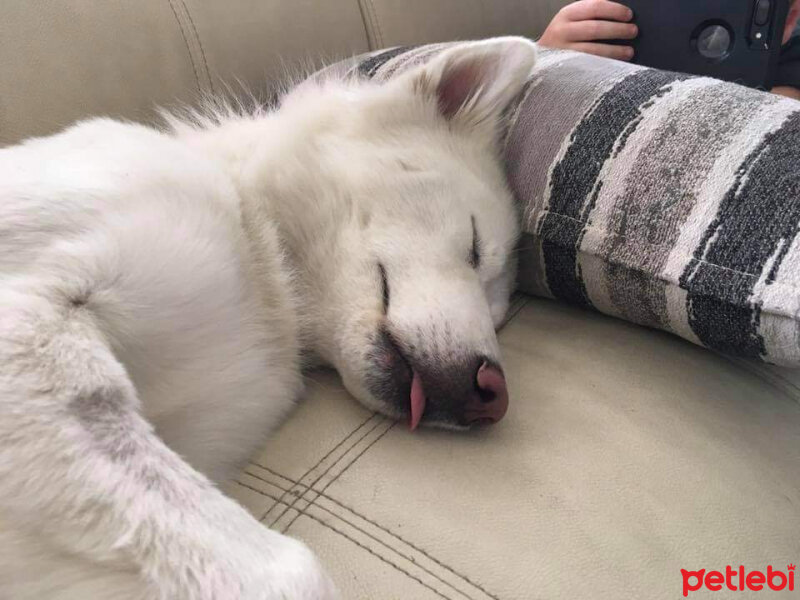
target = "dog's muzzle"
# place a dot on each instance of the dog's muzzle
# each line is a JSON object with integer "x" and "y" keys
{"x": 486, "y": 404}
{"x": 465, "y": 392}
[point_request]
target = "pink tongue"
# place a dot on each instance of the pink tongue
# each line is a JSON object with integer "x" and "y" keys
{"x": 417, "y": 402}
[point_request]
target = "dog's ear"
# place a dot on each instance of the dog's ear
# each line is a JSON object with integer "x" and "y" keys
{"x": 473, "y": 83}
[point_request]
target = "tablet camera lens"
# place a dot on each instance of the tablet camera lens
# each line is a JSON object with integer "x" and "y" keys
{"x": 714, "y": 42}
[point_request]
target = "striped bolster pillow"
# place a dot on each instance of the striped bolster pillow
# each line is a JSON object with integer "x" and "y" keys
{"x": 667, "y": 200}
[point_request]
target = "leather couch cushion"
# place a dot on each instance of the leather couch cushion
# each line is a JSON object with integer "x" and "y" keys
{"x": 627, "y": 455}
{"x": 406, "y": 22}
{"x": 67, "y": 60}
{"x": 71, "y": 59}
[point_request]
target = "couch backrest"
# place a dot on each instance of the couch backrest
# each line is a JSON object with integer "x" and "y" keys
{"x": 69, "y": 59}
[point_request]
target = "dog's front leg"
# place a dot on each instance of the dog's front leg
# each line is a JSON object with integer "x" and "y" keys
{"x": 81, "y": 469}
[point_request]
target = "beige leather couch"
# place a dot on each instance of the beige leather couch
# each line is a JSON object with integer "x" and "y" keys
{"x": 627, "y": 454}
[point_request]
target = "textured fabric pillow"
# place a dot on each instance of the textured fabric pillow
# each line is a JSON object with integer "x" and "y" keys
{"x": 663, "y": 199}
{"x": 669, "y": 201}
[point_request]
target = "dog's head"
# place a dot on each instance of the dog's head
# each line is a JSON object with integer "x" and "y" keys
{"x": 408, "y": 291}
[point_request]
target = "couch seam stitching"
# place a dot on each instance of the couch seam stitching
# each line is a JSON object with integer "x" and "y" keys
{"x": 513, "y": 315}
{"x": 350, "y": 464}
{"x": 385, "y": 530}
{"x": 768, "y": 377}
{"x": 367, "y": 26}
{"x": 373, "y": 29}
{"x": 324, "y": 473}
{"x": 319, "y": 462}
{"x": 188, "y": 46}
{"x": 538, "y": 238}
{"x": 381, "y": 543}
{"x": 614, "y": 237}
{"x": 377, "y": 23}
{"x": 364, "y": 547}
{"x": 200, "y": 45}
{"x": 310, "y": 486}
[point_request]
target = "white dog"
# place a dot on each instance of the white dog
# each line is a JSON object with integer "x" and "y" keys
{"x": 158, "y": 289}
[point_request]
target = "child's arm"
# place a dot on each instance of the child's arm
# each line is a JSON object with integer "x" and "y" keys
{"x": 584, "y": 24}
{"x": 791, "y": 20}
{"x": 789, "y": 67}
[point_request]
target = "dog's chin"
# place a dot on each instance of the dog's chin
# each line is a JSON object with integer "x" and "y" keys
{"x": 402, "y": 415}
{"x": 386, "y": 385}
{"x": 388, "y": 390}
{"x": 388, "y": 393}
{"x": 388, "y": 377}
{"x": 446, "y": 425}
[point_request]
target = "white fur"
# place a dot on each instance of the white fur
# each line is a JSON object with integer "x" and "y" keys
{"x": 157, "y": 290}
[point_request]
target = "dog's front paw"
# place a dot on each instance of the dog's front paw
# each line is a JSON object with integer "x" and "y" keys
{"x": 240, "y": 560}
{"x": 292, "y": 571}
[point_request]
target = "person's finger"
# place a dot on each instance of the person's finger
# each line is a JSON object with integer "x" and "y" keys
{"x": 791, "y": 21}
{"x": 789, "y": 92}
{"x": 589, "y": 31}
{"x": 588, "y": 10}
{"x": 606, "y": 50}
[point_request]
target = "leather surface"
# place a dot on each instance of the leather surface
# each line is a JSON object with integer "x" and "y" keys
{"x": 257, "y": 42}
{"x": 70, "y": 59}
{"x": 401, "y": 22}
{"x": 66, "y": 60}
{"x": 626, "y": 455}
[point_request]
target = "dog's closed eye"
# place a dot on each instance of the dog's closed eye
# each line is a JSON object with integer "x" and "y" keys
{"x": 384, "y": 288}
{"x": 475, "y": 253}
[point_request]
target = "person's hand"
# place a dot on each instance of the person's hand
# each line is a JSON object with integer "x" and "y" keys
{"x": 584, "y": 24}
{"x": 788, "y": 91}
{"x": 791, "y": 20}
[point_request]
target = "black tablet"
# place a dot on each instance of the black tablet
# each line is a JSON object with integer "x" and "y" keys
{"x": 735, "y": 40}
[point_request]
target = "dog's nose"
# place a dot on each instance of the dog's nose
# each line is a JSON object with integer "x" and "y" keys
{"x": 490, "y": 403}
